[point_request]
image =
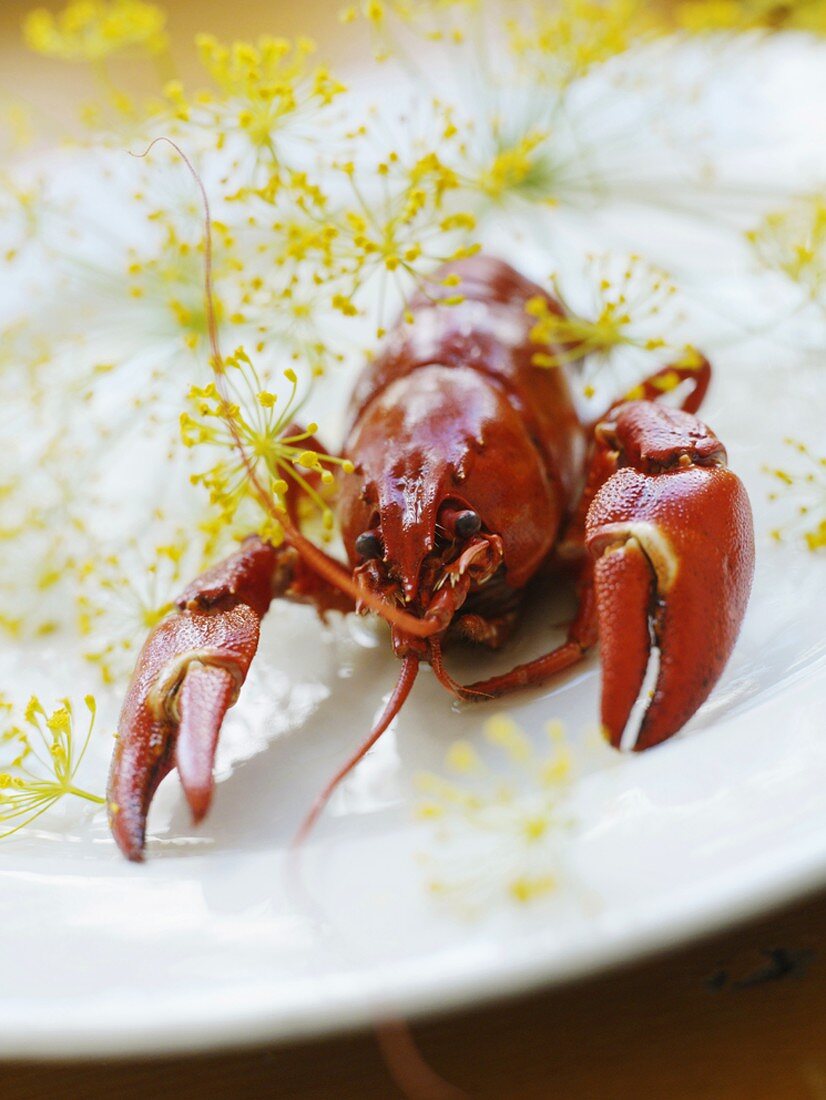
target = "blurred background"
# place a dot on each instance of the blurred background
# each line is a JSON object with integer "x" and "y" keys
{"x": 57, "y": 89}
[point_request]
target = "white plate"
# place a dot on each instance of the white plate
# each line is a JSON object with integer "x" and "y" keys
{"x": 219, "y": 939}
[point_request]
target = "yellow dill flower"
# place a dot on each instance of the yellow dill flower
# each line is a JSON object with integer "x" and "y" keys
{"x": 281, "y": 454}
{"x": 804, "y": 484}
{"x": 624, "y": 307}
{"x": 22, "y": 209}
{"x": 123, "y": 594}
{"x": 520, "y": 167}
{"x": 496, "y": 817}
{"x": 792, "y": 242}
{"x": 171, "y": 276}
{"x": 700, "y": 16}
{"x": 561, "y": 42}
{"x": 437, "y": 20}
{"x": 91, "y": 30}
{"x": 267, "y": 90}
{"x": 39, "y": 761}
{"x": 398, "y": 227}
{"x": 35, "y": 545}
{"x": 16, "y": 127}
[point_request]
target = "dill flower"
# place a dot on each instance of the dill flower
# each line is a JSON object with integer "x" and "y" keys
{"x": 171, "y": 275}
{"x": 284, "y": 456}
{"x": 123, "y": 593}
{"x": 269, "y": 91}
{"x": 805, "y": 485}
{"x": 562, "y": 42}
{"x": 35, "y": 545}
{"x": 21, "y": 209}
{"x": 16, "y": 127}
{"x": 518, "y": 165}
{"x": 701, "y": 16}
{"x": 618, "y": 319}
{"x": 792, "y": 242}
{"x": 40, "y": 760}
{"x": 503, "y": 800}
{"x": 438, "y": 20}
{"x": 91, "y": 30}
{"x": 398, "y": 227}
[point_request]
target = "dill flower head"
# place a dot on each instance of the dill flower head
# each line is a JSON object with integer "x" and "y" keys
{"x": 21, "y": 210}
{"x": 39, "y": 759}
{"x": 398, "y": 226}
{"x": 624, "y": 311}
{"x": 801, "y": 485}
{"x": 16, "y": 127}
{"x": 247, "y": 428}
{"x": 91, "y": 30}
{"x": 519, "y": 165}
{"x": 371, "y": 223}
{"x": 562, "y": 42}
{"x": 701, "y": 16}
{"x": 792, "y": 241}
{"x": 504, "y": 797}
{"x": 438, "y": 20}
{"x": 269, "y": 91}
{"x": 169, "y": 274}
{"x": 124, "y": 591}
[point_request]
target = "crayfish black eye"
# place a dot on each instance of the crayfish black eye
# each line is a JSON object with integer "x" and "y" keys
{"x": 368, "y": 545}
{"x": 467, "y": 523}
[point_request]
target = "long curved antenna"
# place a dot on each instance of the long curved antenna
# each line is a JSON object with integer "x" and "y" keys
{"x": 407, "y": 676}
{"x": 324, "y": 565}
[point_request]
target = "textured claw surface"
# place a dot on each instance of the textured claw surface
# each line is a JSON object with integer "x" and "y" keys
{"x": 206, "y": 694}
{"x": 187, "y": 676}
{"x": 653, "y": 437}
{"x": 674, "y": 557}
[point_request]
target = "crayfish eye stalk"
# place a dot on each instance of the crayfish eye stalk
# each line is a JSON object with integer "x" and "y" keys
{"x": 457, "y": 523}
{"x": 368, "y": 545}
{"x": 467, "y": 523}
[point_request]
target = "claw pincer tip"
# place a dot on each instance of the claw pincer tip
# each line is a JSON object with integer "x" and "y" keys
{"x": 188, "y": 675}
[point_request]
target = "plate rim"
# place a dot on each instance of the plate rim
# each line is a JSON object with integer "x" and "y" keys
{"x": 242, "y": 1018}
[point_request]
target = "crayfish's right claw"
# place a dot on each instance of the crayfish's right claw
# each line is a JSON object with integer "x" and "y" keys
{"x": 671, "y": 536}
{"x": 188, "y": 675}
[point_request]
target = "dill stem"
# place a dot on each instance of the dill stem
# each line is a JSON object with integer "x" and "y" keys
{"x": 98, "y": 801}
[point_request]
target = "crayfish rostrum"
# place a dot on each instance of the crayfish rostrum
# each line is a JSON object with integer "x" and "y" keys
{"x": 472, "y": 472}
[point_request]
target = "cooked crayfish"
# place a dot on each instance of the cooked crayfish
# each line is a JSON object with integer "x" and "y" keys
{"x": 472, "y": 473}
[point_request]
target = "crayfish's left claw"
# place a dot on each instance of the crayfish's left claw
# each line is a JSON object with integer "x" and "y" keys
{"x": 671, "y": 536}
{"x": 188, "y": 675}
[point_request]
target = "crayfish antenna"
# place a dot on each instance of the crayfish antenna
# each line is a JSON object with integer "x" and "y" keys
{"x": 407, "y": 677}
{"x": 323, "y": 564}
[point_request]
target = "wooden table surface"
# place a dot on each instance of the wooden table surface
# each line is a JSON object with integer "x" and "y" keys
{"x": 740, "y": 1016}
